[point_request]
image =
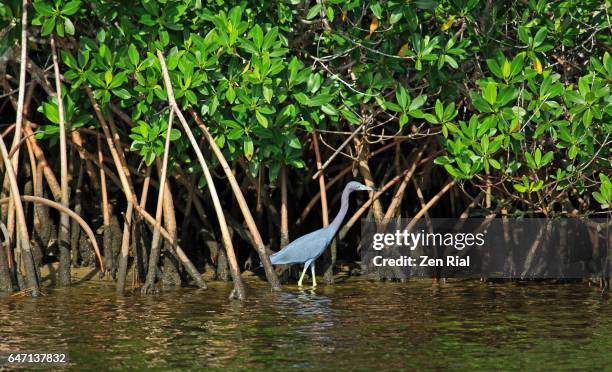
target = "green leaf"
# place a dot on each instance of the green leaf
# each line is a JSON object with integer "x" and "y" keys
{"x": 329, "y": 12}
{"x": 59, "y": 29}
{"x": 484, "y": 143}
{"x": 149, "y": 157}
{"x": 431, "y": 118}
{"x": 451, "y": 61}
{"x": 270, "y": 38}
{"x": 268, "y": 93}
{"x": 396, "y": 16}
{"x": 530, "y": 161}
{"x": 439, "y": 108}
{"x": 174, "y": 134}
{"x": 517, "y": 64}
{"x": 403, "y": 120}
{"x": 402, "y": 97}
{"x": 480, "y": 104}
{"x": 426, "y": 4}
{"x": 230, "y": 94}
{"x": 191, "y": 97}
{"x": 71, "y": 7}
{"x": 490, "y": 93}
{"x": 257, "y": 36}
{"x": 442, "y": 160}
{"x": 523, "y": 35}
{"x": 248, "y": 148}
{"x": 69, "y": 26}
{"x": 51, "y": 112}
{"x": 377, "y": 10}
{"x": 69, "y": 60}
{"x": 538, "y": 186}
{"x": 495, "y": 68}
{"x": 133, "y": 55}
{"x": 117, "y": 80}
{"x": 261, "y": 119}
{"x": 587, "y": 117}
{"x": 599, "y": 198}
{"x": 520, "y": 188}
{"x": 42, "y": 8}
{"x": 547, "y": 158}
{"x": 94, "y": 79}
{"x": 294, "y": 142}
{"x": 164, "y": 37}
{"x": 583, "y": 85}
{"x": 320, "y": 99}
{"x": 350, "y": 116}
{"x": 329, "y": 110}
{"x": 507, "y": 94}
{"x": 48, "y": 26}
{"x": 453, "y": 171}
{"x": 122, "y": 93}
{"x": 417, "y": 102}
{"x": 449, "y": 112}
{"x": 538, "y": 156}
{"x": 313, "y": 11}
{"x": 392, "y": 106}
{"x": 506, "y": 69}
{"x": 71, "y": 76}
{"x": 540, "y": 36}
{"x": 220, "y": 141}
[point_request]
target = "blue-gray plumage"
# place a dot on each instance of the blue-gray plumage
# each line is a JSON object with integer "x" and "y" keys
{"x": 309, "y": 247}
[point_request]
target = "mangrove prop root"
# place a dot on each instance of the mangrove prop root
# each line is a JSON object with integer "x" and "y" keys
{"x": 70, "y": 213}
{"x": 131, "y": 199}
{"x": 244, "y": 208}
{"x": 64, "y": 228}
{"x": 284, "y": 236}
{"x": 239, "y": 292}
{"x": 22, "y": 229}
{"x": 155, "y": 246}
{"x": 329, "y": 255}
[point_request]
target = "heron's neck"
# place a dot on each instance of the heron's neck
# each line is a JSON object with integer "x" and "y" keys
{"x": 343, "y": 209}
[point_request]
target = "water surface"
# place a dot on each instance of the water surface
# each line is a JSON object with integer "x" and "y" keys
{"x": 359, "y": 325}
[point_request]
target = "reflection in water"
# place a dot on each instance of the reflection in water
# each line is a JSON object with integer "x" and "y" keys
{"x": 357, "y": 325}
{"x": 311, "y": 313}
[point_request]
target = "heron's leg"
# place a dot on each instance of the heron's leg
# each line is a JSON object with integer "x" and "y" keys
{"x": 303, "y": 272}
{"x": 314, "y": 278}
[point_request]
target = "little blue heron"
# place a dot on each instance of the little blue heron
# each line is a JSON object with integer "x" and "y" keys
{"x": 309, "y": 247}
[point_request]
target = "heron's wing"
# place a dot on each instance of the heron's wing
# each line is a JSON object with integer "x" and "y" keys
{"x": 307, "y": 247}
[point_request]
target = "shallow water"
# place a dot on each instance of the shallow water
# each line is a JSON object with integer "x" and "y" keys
{"x": 355, "y": 325}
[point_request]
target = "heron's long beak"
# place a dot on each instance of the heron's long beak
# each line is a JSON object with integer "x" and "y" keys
{"x": 367, "y": 188}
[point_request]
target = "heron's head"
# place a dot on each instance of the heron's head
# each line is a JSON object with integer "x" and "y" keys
{"x": 356, "y": 186}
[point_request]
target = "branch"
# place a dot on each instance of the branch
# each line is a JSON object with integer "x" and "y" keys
{"x": 343, "y": 145}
